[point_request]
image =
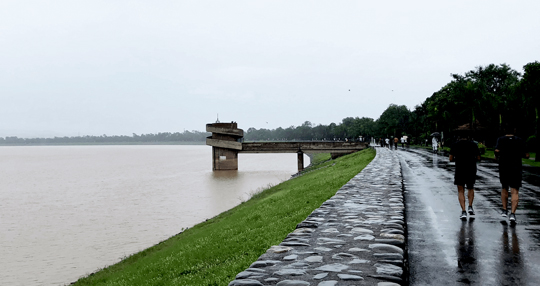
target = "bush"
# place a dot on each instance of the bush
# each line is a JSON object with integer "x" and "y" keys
{"x": 531, "y": 143}
{"x": 482, "y": 148}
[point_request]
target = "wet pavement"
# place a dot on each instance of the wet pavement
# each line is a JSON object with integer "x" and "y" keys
{"x": 484, "y": 250}
{"x": 355, "y": 237}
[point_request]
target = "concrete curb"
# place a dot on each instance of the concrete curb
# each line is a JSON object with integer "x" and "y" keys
{"x": 356, "y": 237}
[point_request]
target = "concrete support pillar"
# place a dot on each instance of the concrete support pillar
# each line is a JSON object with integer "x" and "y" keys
{"x": 300, "y": 161}
{"x": 224, "y": 159}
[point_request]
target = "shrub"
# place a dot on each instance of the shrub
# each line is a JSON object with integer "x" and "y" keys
{"x": 531, "y": 143}
{"x": 482, "y": 148}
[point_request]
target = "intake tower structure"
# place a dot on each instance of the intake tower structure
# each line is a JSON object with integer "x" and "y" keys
{"x": 226, "y": 141}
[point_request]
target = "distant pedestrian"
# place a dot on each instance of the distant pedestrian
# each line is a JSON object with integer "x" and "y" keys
{"x": 434, "y": 144}
{"x": 465, "y": 153}
{"x": 509, "y": 151}
{"x": 402, "y": 142}
{"x": 396, "y": 140}
{"x": 387, "y": 142}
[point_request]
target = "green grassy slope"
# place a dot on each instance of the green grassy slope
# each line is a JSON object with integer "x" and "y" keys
{"x": 213, "y": 252}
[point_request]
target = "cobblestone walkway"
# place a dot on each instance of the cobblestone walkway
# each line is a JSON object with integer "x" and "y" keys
{"x": 357, "y": 237}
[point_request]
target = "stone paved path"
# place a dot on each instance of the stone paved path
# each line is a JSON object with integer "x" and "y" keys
{"x": 357, "y": 237}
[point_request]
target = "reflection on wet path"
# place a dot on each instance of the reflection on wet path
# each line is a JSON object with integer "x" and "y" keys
{"x": 466, "y": 253}
{"x": 511, "y": 258}
{"x": 483, "y": 251}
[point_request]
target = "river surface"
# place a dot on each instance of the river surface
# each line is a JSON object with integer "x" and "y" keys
{"x": 66, "y": 211}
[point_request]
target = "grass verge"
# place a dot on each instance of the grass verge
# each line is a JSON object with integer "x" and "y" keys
{"x": 491, "y": 155}
{"x": 213, "y": 252}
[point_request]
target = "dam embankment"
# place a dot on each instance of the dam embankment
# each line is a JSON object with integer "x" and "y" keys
{"x": 358, "y": 235}
{"x": 215, "y": 251}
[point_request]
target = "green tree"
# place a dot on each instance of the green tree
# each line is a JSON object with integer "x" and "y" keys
{"x": 494, "y": 86}
{"x": 418, "y": 123}
{"x": 530, "y": 88}
{"x": 394, "y": 120}
{"x": 364, "y": 127}
{"x": 304, "y": 131}
{"x": 467, "y": 102}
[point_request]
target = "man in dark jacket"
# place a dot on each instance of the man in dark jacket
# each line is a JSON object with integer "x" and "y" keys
{"x": 509, "y": 151}
{"x": 465, "y": 153}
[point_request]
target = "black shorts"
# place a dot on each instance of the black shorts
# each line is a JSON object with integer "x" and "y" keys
{"x": 510, "y": 178}
{"x": 467, "y": 184}
{"x": 465, "y": 178}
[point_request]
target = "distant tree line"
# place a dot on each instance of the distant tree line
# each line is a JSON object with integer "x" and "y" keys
{"x": 162, "y": 137}
{"x": 479, "y": 102}
{"x": 349, "y": 129}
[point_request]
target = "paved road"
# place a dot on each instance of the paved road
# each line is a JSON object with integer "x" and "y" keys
{"x": 443, "y": 250}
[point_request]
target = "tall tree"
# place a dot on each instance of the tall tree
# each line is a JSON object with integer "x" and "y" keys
{"x": 394, "y": 120}
{"x": 530, "y": 87}
{"x": 495, "y": 86}
{"x": 469, "y": 103}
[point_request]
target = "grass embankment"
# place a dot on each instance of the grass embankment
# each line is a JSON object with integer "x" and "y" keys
{"x": 490, "y": 154}
{"x": 213, "y": 252}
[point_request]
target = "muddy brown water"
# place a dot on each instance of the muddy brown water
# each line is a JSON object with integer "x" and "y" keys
{"x": 66, "y": 211}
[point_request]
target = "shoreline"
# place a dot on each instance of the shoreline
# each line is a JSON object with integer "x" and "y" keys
{"x": 135, "y": 193}
{"x": 197, "y": 143}
{"x": 236, "y": 237}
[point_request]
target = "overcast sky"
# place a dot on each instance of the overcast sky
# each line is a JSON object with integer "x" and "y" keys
{"x": 71, "y": 68}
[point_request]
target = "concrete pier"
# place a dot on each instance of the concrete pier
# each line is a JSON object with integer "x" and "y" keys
{"x": 300, "y": 161}
{"x": 225, "y": 142}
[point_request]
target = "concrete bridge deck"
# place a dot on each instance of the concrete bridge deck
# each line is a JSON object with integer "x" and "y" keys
{"x": 303, "y": 146}
{"x": 227, "y": 142}
{"x": 290, "y": 146}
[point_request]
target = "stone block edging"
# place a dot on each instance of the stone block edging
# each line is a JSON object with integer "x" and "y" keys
{"x": 357, "y": 237}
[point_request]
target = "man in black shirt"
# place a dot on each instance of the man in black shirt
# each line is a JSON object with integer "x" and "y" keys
{"x": 465, "y": 153}
{"x": 509, "y": 151}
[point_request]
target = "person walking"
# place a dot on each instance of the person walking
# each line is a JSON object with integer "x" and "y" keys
{"x": 509, "y": 151}
{"x": 465, "y": 153}
{"x": 434, "y": 144}
{"x": 387, "y": 142}
{"x": 396, "y": 140}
